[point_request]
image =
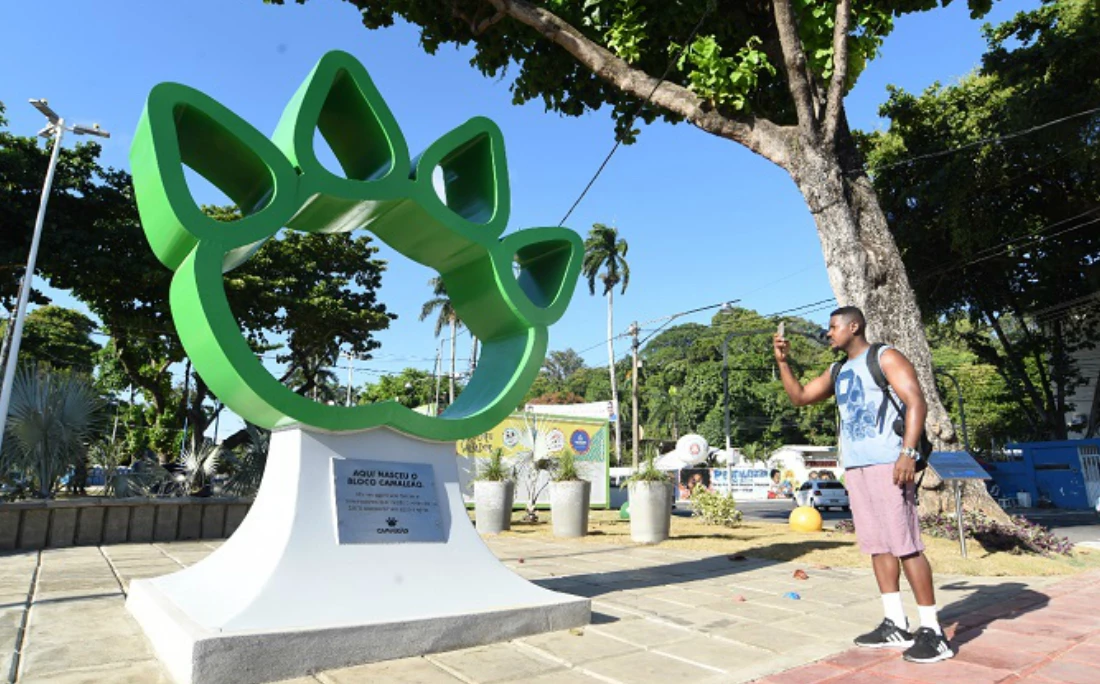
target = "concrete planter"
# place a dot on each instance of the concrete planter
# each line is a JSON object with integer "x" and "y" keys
{"x": 493, "y": 505}
{"x": 569, "y": 501}
{"x": 650, "y": 511}
{"x": 58, "y": 523}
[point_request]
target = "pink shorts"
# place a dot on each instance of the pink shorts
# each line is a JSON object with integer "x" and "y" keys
{"x": 885, "y": 515}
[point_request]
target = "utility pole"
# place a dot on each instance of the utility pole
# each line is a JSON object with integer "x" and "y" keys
{"x": 633, "y": 332}
{"x": 351, "y": 376}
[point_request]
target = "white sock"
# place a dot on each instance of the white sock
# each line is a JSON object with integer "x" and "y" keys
{"x": 891, "y": 605}
{"x": 928, "y": 618}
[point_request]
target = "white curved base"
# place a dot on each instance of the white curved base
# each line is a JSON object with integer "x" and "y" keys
{"x": 281, "y": 598}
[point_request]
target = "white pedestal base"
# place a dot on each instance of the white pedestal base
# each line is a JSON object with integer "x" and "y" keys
{"x": 281, "y": 598}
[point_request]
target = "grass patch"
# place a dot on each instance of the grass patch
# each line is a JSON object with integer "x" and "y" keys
{"x": 775, "y": 541}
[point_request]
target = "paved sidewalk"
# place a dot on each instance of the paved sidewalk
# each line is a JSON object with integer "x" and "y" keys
{"x": 658, "y": 614}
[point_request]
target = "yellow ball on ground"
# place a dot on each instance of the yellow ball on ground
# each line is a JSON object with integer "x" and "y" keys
{"x": 805, "y": 519}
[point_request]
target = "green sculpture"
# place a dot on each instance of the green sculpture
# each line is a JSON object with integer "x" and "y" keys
{"x": 506, "y": 291}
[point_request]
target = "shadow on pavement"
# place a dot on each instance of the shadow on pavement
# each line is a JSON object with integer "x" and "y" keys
{"x": 987, "y": 605}
{"x": 676, "y": 573}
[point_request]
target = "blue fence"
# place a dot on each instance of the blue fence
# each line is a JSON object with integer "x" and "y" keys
{"x": 1046, "y": 471}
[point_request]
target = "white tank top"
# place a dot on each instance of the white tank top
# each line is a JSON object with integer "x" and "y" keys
{"x": 866, "y": 433}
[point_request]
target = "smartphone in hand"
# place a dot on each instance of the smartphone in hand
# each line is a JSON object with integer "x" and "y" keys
{"x": 780, "y": 331}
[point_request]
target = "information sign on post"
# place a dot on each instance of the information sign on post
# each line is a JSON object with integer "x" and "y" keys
{"x": 957, "y": 467}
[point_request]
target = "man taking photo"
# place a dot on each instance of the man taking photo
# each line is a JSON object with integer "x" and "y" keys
{"x": 879, "y": 473}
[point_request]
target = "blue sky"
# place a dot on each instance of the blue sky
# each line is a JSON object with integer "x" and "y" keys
{"x": 706, "y": 220}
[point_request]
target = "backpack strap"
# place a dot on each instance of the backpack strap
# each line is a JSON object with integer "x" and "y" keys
{"x": 834, "y": 371}
{"x": 875, "y": 369}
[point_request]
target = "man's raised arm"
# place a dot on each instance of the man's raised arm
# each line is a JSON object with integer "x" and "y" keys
{"x": 818, "y": 389}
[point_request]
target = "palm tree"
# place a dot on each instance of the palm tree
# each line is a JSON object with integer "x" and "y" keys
{"x": 447, "y": 316}
{"x": 605, "y": 251}
{"x": 51, "y": 421}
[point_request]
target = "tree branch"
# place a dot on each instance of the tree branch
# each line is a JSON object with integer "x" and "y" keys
{"x": 794, "y": 63}
{"x": 834, "y": 101}
{"x": 757, "y": 134}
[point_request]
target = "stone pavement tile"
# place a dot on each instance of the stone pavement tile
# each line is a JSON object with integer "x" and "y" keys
{"x": 944, "y": 672}
{"x": 1053, "y": 615}
{"x": 494, "y": 663}
{"x": 994, "y": 637}
{"x": 575, "y": 648}
{"x": 1013, "y": 660}
{"x": 139, "y": 672}
{"x": 1085, "y": 653}
{"x": 703, "y": 619}
{"x": 1070, "y": 672}
{"x": 866, "y": 678}
{"x": 1030, "y": 627}
{"x": 773, "y": 639}
{"x": 556, "y": 677}
{"x": 716, "y": 653}
{"x": 112, "y": 646}
{"x": 615, "y": 610}
{"x": 859, "y": 658}
{"x": 59, "y": 620}
{"x": 643, "y": 632}
{"x": 752, "y": 610}
{"x": 807, "y": 674}
{"x": 646, "y": 667}
{"x": 819, "y": 624}
{"x": 10, "y": 618}
{"x": 404, "y": 671}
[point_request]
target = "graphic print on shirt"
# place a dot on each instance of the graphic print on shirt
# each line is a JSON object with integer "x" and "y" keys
{"x": 858, "y": 415}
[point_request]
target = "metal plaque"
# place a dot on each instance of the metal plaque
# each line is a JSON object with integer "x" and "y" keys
{"x": 956, "y": 465}
{"x": 385, "y": 502}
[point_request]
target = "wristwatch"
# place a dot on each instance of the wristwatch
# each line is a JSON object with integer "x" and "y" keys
{"x": 911, "y": 453}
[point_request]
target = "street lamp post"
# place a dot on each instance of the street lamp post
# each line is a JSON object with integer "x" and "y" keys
{"x": 55, "y": 128}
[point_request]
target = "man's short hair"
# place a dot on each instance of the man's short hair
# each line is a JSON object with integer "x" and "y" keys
{"x": 849, "y": 314}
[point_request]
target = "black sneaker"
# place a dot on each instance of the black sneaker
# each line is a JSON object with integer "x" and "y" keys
{"x": 929, "y": 647}
{"x": 886, "y": 635}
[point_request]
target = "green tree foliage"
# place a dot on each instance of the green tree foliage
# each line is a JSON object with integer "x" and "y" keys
{"x": 56, "y": 337}
{"x": 1005, "y": 233}
{"x": 51, "y": 422}
{"x": 303, "y": 296}
{"x": 411, "y": 387}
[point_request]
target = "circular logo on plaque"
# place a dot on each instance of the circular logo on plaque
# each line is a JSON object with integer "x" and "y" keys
{"x": 510, "y": 437}
{"x": 580, "y": 441}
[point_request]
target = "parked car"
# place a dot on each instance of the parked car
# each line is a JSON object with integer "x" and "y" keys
{"x": 822, "y": 494}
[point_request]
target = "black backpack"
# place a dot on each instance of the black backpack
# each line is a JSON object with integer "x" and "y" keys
{"x": 925, "y": 445}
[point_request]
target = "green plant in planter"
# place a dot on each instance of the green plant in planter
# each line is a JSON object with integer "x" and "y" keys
{"x": 648, "y": 472}
{"x": 567, "y": 467}
{"x": 493, "y": 469}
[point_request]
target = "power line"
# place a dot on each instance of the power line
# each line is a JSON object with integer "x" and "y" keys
{"x": 671, "y": 62}
{"x": 976, "y": 143}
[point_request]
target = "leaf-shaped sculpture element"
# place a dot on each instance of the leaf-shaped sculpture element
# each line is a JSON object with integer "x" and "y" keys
{"x": 283, "y": 183}
{"x": 181, "y": 126}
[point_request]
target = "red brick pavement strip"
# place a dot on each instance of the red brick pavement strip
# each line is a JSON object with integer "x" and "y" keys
{"x": 1049, "y": 638}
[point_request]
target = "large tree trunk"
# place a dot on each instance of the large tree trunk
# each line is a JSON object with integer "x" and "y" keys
{"x": 611, "y": 370}
{"x": 865, "y": 270}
